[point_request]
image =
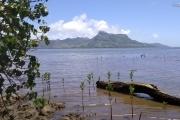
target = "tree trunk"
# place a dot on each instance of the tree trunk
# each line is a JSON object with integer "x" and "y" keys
{"x": 149, "y": 89}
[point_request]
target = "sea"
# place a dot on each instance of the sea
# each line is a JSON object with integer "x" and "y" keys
{"x": 69, "y": 67}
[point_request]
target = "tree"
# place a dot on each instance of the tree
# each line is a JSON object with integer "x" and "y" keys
{"x": 22, "y": 27}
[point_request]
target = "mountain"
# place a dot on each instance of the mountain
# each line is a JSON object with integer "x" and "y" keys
{"x": 67, "y": 43}
{"x": 101, "y": 40}
{"x": 159, "y": 45}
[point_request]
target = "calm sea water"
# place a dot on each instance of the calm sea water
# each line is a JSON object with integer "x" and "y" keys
{"x": 159, "y": 66}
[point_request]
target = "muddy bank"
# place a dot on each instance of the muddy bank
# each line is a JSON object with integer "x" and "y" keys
{"x": 20, "y": 109}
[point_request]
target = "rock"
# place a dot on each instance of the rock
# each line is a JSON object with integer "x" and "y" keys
{"x": 24, "y": 106}
{"x": 73, "y": 116}
{"x": 65, "y": 118}
{"x": 28, "y": 114}
{"x": 25, "y": 110}
{"x": 47, "y": 110}
{"x": 40, "y": 118}
{"x": 57, "y": 106}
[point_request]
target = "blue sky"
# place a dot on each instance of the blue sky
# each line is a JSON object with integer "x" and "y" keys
{"x": 143, "y": 20}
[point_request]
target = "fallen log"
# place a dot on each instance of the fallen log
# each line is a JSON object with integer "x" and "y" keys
{"x": 148, "y": 89}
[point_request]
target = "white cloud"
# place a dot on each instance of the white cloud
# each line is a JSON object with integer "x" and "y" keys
{"x": 155, "y": 35}
{"x": 82, "y": 26}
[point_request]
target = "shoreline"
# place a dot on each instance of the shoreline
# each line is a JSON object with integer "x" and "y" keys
{"x": 21, "y": 109}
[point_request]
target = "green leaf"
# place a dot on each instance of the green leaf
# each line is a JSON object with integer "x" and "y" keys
{"x": 20, "y": 19}
{"x": 131, "y": 89}
{"x": 109, "y": 87}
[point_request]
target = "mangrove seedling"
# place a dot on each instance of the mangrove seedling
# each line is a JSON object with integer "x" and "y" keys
{"x": 109, "y": 76}
{"x": 89, "y": 82}
{"x": 131, "y": 90}
{"x": 43, "y": 86}
{"x": 92, "y": 78}
{"x": 47, "y": 77}
{"x": 109, "y": 88}
{"x": 49, "y": 91}
{"x": 118, "y": 75}
{"x": 63, "y": 84}
{"x": 82, "y": 86}
{"x": 131, "y": 74}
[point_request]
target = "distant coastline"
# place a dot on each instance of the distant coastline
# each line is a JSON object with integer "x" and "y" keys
{"x": 101, "y": 40}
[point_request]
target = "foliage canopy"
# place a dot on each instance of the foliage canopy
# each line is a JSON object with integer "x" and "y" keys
{"x": 22, "y": 27}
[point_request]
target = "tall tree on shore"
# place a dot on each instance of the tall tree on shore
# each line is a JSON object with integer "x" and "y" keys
{"x": 22, "y": 27}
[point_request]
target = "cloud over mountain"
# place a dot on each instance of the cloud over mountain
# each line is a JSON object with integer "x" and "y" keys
{"x": 82, "y": 26}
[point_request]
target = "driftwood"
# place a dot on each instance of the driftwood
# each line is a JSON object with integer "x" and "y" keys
{"x": 148, "y": 89}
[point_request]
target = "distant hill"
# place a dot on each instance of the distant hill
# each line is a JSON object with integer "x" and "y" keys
{"x": 101, "y": 40}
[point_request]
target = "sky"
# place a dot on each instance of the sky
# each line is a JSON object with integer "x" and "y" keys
{"x": 149, "y": 21}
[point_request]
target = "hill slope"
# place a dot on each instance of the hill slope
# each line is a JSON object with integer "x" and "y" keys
{"x": 101, "y": 40}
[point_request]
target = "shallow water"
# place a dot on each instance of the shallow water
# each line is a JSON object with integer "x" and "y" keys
{"x": 160, "y": 67}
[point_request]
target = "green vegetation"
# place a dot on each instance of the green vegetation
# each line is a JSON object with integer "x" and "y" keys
{"x": 109, "y": 76}
{"x": 19, "y": 21}
{"x": 63, "y": 84}
{"x": 22, "y": 28}
{"x": 82, "y": 86}
{"x": 89, "y": 78}
{"x": 47, "y": 77}
{"x": 92, "y": 77}
{"x": 131, "y": 90}
{"x": 131, "y": 74}
{"x": 39, "y": 103}
{"x": 46, "y": 83}
{"x": 109, "y": 88}
{"x": 118, "y": 76}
